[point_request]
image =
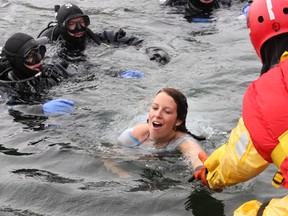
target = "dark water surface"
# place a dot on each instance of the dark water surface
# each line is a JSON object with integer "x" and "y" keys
{"x": 58, "y": 166}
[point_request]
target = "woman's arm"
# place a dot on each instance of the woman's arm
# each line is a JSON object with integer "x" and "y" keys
{"x": 191, "y": 149}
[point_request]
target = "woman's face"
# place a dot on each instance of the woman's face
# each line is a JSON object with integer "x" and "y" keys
{"x": 163, "y": 116}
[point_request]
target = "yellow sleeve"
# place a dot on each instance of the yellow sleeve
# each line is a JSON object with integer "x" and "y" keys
{"x": 236, "y": 161}
{"x": 274, "y": 207}
{"x": 248, "y": 209}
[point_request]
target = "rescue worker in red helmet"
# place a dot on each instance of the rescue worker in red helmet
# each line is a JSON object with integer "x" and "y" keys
{"x": 261, "y": 136}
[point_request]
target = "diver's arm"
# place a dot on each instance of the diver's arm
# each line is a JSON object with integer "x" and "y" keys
{"x": 95, "y": 37}
{"x": 53, "y": 107}
{"x": 26, "y": 109}
{"x": 154, "y": 53}
{"x": 119, "y": 37}
{"x": 235, "y": 162}
{"x": 158, "y": 54}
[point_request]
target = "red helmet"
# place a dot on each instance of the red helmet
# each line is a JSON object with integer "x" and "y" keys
{"x": 266, "y": 19}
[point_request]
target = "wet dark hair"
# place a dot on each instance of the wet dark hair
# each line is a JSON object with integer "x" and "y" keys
{"x": 182, "y": 109}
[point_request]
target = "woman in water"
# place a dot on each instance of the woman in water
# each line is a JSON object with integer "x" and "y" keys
{"x": 165, "y": 130}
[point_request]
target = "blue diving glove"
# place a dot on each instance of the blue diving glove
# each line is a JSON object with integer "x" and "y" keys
{"x": 58, "y": 106}
{"x": 131, "y": 74}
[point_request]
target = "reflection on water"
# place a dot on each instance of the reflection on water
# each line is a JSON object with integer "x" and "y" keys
{"x": 154, "y": 180}
{"x": 31, "y": 122}
{"x": 201, "y": 203}
{"x": 43, "y": 175}
{"x": 11, "y": 151}
{"x": 7, "y": 211}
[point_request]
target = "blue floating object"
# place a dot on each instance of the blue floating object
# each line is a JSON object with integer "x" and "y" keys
{"x": 202, "y": 20}
{"x": 245, "y": 9}
{"x": 132, "y": 74}
{"x": 58, "y": 106}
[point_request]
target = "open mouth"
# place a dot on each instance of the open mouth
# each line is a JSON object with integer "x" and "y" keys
{"x": 156, "y": 124}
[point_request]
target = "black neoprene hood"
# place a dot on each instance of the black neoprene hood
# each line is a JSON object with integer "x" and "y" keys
{"x": 15, "y": 49}
{"x": 19, "y": 43}
{"x": 68, "y": 11}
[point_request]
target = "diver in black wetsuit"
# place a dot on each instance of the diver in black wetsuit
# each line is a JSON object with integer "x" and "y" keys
{"x": 72, "y": 32}
{"x": 26, "y": 79}
{"x": 197, "y": 10}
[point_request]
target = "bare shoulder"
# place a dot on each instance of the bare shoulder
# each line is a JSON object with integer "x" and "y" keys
{"x": 140, "y": 131}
